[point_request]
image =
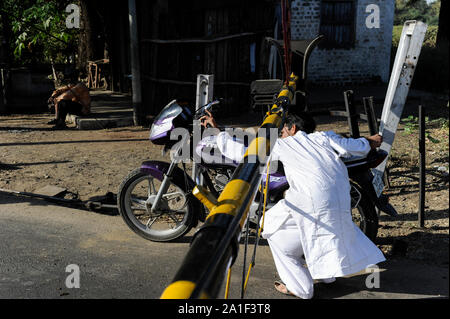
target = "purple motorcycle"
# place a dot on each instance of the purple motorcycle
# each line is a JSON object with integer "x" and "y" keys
{"x": 156, "y": 199}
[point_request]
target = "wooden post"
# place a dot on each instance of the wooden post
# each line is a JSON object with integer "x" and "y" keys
{"x": 5, "y": 58}
{"x": 421, "y": 217}
{"x": 2, "y": 92}
{"x": 138, "y": 116}
{"x": 351, "y": 114}
{"x": 371, "y": 117}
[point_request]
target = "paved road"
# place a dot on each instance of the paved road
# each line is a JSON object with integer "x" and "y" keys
{"x": 39, "y": 240}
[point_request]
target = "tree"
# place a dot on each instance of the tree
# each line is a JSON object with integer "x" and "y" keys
{"x": 93, "y": 33}
{"x": 416, "y": 10}
{"x": 86, "y": 40}
{"x": 442, "y": 36}
{"x": 39, "y": 31}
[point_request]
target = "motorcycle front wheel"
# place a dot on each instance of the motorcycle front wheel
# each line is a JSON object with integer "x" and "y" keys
{"x": 174, "y": 217}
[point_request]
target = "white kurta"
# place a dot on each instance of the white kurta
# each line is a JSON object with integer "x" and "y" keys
{"x": 314, "y": 219}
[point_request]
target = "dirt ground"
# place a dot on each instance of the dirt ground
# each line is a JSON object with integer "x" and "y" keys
{"x": 92, "y": 163}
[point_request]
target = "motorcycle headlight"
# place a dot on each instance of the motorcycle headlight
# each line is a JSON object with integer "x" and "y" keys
{"x": 161, "y": 128}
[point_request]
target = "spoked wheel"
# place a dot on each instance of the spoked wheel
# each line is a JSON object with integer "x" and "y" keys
{"x": 364, "y": 214}
{"x": 135, "y": 198}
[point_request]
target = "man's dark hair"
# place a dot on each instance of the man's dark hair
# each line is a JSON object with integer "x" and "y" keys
{"x": 303, "y": 122}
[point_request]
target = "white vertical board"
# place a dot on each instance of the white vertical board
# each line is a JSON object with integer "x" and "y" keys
{"x": 408, "y": 52}
{"x": 204, "y": 95}
{"x": 205, "y": 85}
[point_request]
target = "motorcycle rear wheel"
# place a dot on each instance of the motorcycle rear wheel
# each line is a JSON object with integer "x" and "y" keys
{"x": 364, "y": 214}
{"x": 363, "y": 211}
{"x": 174, "y": 217}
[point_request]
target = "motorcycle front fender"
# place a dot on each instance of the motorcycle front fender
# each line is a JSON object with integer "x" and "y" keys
{"x": 158, "y": 169}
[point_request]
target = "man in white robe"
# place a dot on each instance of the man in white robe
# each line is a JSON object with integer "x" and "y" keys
{"x": 310, "y": 232}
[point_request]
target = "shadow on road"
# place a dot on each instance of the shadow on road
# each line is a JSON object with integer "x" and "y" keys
{"x": 92, "y": 204}
{"x": 399, "y": 278}
{"x": 72, "y": 142}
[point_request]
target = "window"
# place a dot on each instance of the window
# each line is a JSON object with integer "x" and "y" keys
{"x": 337, "y": 23}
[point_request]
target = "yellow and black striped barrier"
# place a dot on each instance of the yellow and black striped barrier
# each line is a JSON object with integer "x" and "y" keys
{"x": 215, "y": 245}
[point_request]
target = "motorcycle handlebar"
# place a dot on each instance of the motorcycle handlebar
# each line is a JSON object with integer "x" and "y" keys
{"x": 207, "y": 107}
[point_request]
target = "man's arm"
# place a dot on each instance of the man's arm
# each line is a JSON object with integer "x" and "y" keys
{"x": 59, "y": 91}
{"x": 347, "y": 147}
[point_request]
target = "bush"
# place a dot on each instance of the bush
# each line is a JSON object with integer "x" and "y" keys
{"x": 430, "y": 36}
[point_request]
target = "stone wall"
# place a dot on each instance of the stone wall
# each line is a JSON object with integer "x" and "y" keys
{"x": 368, "y": 60}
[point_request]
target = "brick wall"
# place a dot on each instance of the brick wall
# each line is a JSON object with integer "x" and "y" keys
{"x": 368, "y": 60}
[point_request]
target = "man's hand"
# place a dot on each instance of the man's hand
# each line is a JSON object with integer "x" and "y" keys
{"x": 208, "y": 119}
{"x": 375, "y": 140}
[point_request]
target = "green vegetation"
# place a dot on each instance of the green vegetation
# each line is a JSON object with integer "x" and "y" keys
{"x": 411, "y": 126}
{"x": 37, "y": 29}
{"x": 432, "y": 71}
{"x": 430, "y": 36}
{"x": 416, "y": 10}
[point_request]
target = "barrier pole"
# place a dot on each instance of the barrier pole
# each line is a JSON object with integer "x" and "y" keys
{"x": 215, "y": 245}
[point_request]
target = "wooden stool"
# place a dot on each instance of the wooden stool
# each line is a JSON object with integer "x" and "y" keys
{"x": 94, "y": 72}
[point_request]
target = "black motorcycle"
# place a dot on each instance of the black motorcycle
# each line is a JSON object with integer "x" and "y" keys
{"x": 156, "y": 201}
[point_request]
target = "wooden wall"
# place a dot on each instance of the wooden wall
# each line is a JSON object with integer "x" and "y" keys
{"x": 179, "y": 40}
